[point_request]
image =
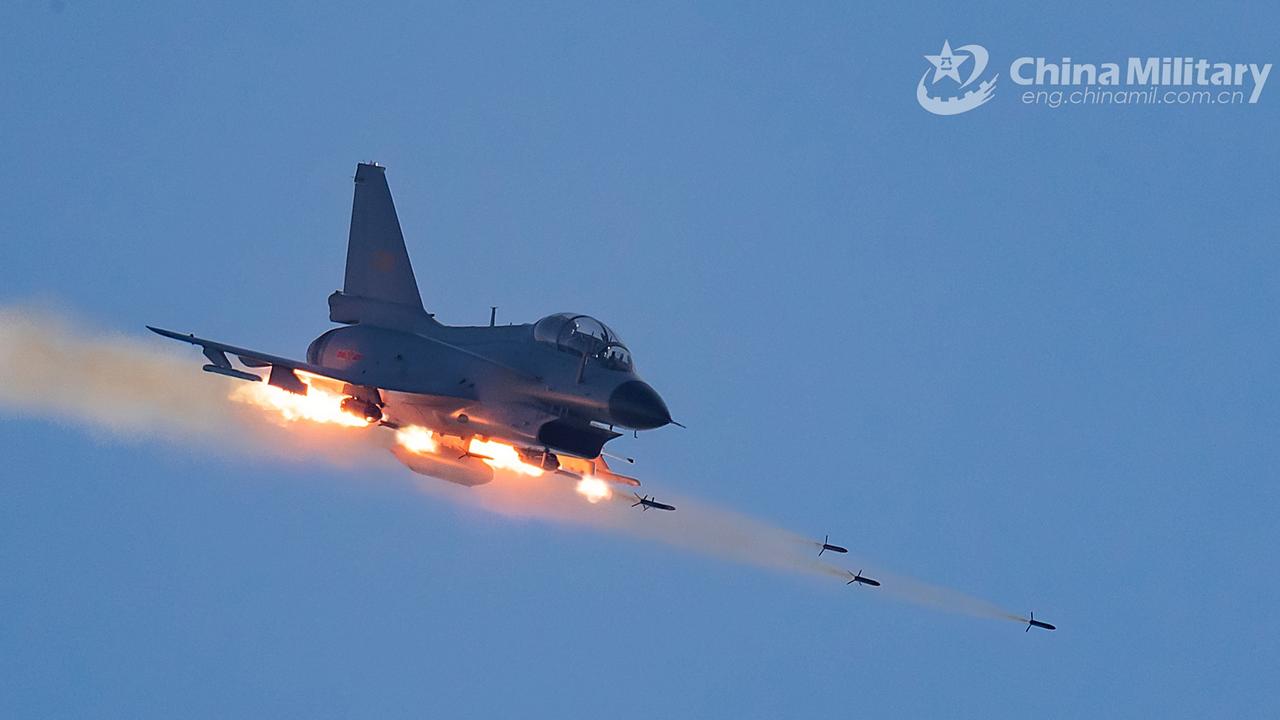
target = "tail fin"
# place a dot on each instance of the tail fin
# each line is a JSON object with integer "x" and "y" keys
{"x": 379, "y": 283}
{"x": 377, "y": 263}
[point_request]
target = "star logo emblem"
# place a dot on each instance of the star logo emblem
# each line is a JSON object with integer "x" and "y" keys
{"x": 964, "y": 95}
{"x": 946, "y": 63}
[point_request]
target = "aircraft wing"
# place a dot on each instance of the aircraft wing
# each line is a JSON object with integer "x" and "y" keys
{"x": 282, "y": 369}
{"x": 217, "y": 354}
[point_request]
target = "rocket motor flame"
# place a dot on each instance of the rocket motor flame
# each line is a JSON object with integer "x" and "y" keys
{"x": 319, "y": 405}
{"x": 322, "y": 404}
{"x": 497, "y": 455}
{"x": 501, "y": 456}
{"x": 594, "y": 489}
{"x": 417, "y": 439}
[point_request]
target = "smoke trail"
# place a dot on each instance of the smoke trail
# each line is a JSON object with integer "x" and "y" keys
{"x": 51, "y": 367}
{"x": 701, "y": 528}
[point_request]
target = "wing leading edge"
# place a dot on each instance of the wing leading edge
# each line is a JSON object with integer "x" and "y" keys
{"x": 217, "y": 353}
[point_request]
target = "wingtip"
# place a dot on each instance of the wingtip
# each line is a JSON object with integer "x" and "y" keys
{"x": 168, "y": 333}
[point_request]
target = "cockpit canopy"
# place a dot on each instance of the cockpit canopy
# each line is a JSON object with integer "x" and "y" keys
{"x": 584, "y": 335}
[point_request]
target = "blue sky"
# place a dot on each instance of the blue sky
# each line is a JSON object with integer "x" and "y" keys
{"x": 1029, "y": 353}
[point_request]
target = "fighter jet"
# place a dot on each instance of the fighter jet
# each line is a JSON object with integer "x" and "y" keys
{"x": 1033, "y": 622}
{"x": 557, "y": 389}
{"x": 857, "y": 578}
{"x": 644, "y": 502}
{"x": 828, "y": 546}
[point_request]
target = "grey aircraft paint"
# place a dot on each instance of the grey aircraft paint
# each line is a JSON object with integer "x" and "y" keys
{"x": 557, "y": 386}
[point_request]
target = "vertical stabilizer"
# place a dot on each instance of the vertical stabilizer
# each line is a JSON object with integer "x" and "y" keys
{"x": 377, "y": 263}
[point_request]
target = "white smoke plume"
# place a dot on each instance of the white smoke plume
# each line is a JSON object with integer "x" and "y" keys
{"x": 55, "y": 368}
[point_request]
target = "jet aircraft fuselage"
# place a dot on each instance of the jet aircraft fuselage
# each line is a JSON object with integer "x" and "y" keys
{"x": 562, "y": 385}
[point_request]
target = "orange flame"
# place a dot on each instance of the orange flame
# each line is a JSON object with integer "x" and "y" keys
{"x": 323, "y": 404}
{"x": 594, "y": 489}
{"x": 502, "y": 457}
{"x": 495, "y": 454}
{"x": 318, "y": 405}
{"x": 416, "y": 439}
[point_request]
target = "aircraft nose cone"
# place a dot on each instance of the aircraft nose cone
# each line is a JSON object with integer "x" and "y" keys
{"x": 635, "y": 404}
